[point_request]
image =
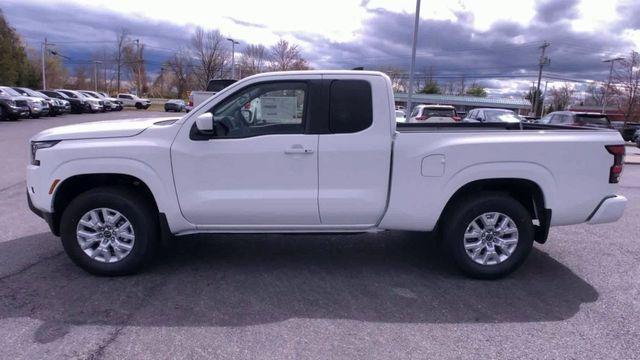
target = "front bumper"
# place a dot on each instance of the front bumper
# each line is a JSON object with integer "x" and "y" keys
{"x": 46, "y": 216}
{"x": 18, "y": 111}
{"x": 609, "y": 210}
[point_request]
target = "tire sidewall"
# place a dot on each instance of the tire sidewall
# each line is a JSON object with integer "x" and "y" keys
{"x": 128, "y": 204}
{"x": 454, "y": 234}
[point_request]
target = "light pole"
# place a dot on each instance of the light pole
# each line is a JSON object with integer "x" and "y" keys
{"x": 139, "y": 62}
{"x": 95, "y": 74}
{"x": 413, "y": 57}
{"x": 606, "y": 89}
{"x": 233, "y": 57}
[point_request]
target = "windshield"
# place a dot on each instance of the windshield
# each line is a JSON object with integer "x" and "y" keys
{"x": 88, "y": 94}
{"x": 10, "y": 91}
{"x": 438, "y": 112}
{"x": 592, "y": 119}
{"x": 501, "y": 116}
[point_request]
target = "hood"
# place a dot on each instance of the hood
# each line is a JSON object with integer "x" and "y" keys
{"x": 100, "y": 129}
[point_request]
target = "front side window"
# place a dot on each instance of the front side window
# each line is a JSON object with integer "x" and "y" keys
{"x": 262, "y": 109}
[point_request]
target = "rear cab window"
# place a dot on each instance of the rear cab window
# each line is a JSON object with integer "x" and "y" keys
{"x": 351, "y": 106}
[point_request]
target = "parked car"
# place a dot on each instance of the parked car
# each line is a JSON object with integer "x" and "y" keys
{"x": 636, "y": 138}
{"x": 176, "y": 105}
{"x": 627, "y": 129}
{"x": 74, "y": 105}
{"x": 213, "y": 87}
{"x": 488, "y": 115}
{"x": 116, "y": 104}
{"x": 91, "y": 104}
{"x": 573, "y": 118}
{"x": 433, "y": 114}
{"x": 37, "y": 106}
{"x": 131, "y": 100}
{"x": 12, "y": 108}
{"x": 314, "y": 163}
{"x": 401, "y": 116}
{"x": 55, "y": 107}
{"x": 106, "y": 104}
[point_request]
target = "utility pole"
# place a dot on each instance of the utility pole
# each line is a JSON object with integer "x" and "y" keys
{"x": 542, "y": 62}
{"x": 233, "y": 57}
{"x": 139, "y": 61}
{"x": 413, "y": 58}
{"x": 95, "y": 74}
{"x": 606, "y": 89}
{"x": 43, "y": 49}
{"x": 161, "y": 81}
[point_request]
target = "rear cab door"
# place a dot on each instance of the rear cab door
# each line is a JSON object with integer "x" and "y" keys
{"x": 355, "y": 150}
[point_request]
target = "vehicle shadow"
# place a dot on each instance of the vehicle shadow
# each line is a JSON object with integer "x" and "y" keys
{"x": 239, "y": 280}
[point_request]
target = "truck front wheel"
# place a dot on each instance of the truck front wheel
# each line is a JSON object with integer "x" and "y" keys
{"x": 109, "y": 231}
{"x": 488, "y": 235}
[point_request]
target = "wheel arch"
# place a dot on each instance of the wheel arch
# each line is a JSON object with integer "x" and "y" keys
{"x": 71, "y": 187}
{"x": 527, "y": 192}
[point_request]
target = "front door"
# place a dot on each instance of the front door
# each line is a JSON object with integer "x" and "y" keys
{"x": 259, "y": 168}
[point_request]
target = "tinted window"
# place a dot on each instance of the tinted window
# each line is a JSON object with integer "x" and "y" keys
{"x": 351, "y": 107}
{"x": 592, "y": 119}
{"x": 262, "y": 109}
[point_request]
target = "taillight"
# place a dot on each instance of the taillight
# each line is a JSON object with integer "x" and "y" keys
{"x": 456, "y": 118}
{"x": 421, "y": 118}
{"x": 618, "y": 162}
{"x": 190, "y": 103}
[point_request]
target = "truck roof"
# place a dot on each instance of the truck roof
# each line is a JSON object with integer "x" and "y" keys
{"x": 320, "y": 72}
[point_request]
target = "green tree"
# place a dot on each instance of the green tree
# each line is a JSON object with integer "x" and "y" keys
{"x": 530, "y": 96}
{"x": 431, "y": 87}
{"x": 15, "y": 68}
{"x": 476, "y": 90}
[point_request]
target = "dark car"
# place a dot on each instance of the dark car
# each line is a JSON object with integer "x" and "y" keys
{"x": 12, "y": 109}
{"x": 176, "y": 105}
{"x": 573, "y": 118}
{"x": 636, "y": 138}
{"x": 77, "y": 105}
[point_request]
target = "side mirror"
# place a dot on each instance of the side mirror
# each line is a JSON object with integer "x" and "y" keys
{"x": 247, "y": 115}
{"x": 204, "y": 122}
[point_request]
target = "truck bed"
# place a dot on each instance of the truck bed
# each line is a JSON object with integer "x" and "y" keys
{"x": 462, "y": 126}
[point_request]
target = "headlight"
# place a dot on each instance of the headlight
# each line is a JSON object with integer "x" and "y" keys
{"x": 33, "y": 101}
{"x": 37, "y": 145}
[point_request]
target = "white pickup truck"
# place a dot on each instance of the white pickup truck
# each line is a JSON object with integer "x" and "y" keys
{"x": 213, "y": 86}
{"x": 324, "y": 156}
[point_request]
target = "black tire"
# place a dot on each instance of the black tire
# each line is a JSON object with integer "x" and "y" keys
{"x": 138, "y": 106}
{"x": 460, "y": 216}
{"x": 140, "y": 213}
{"x": 3, "y": 114}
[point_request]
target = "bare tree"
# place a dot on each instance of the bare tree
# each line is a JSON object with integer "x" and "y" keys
{"x": 134, "y": 64}
{"x": 561, "y": 97}
{"x": 627, "y": 85}
{"x": 595, "y": 95}
{"x": 211, "y": 54}
{"x": 398, "y": 80}
{"x": 285, "y": 56}
{"x": 121, "y": 41}
{"x": 181, "y": 67}
{"x": 253, "y": 60}
{"x": 80, "y": 77}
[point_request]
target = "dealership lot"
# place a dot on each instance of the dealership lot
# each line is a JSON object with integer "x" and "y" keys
{"x": 383, "y": 295}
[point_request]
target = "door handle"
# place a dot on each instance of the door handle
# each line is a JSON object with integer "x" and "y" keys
{"x": 297, "y": 149}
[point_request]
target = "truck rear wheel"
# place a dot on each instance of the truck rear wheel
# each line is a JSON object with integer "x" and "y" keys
{"x": 109, "y": 231}
{"x": 489, "y": 235}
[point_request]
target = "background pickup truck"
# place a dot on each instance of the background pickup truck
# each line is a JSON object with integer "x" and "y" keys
{"x": 318, "y": 151}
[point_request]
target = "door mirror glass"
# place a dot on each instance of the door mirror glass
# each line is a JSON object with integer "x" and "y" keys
{"x": 204, "y": 122}
{"x": 247, "y": 115}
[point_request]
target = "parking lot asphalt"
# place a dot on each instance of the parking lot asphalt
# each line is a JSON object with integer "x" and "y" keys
{"x": 369, "y": 296}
